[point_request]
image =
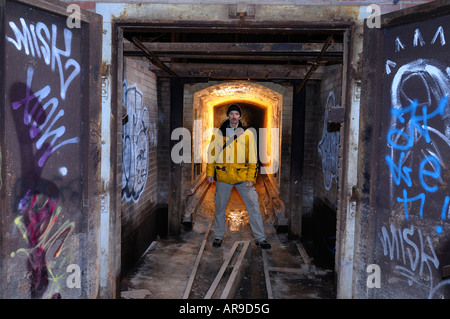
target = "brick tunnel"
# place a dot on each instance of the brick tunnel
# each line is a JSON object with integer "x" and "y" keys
{"x": 106, "y": 123}
{"x": 285, "y": 79}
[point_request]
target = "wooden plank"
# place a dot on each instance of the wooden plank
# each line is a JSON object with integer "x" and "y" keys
{"x": 230, "y": 289}
{"x": 187, "y": 291}
{"x": 222, "y": 269}
{"x": 295, "y": 271}
{"x": 277, "y": 204}
{"x": 267, "y": 275}
{"x": 194, "y": 201}
{"x": 303, "y": 254}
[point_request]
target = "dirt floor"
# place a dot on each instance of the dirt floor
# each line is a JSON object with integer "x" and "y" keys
{"x": 165, "y": 270}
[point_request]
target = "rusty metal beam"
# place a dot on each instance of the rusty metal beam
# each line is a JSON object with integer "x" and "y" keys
{"x": 153, "y": 58}
{"x": 239, "y": 51}
{"x": 163, "y": 48}
{"x": 278, "y": 58}
{"x": 241, "y": 71}
{"x": 315, "y": 64}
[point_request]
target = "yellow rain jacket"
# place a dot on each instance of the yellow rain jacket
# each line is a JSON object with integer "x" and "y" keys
{"x": 233, "y": 159}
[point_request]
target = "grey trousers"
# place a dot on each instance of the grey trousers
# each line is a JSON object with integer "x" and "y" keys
{"x": 250, "y": 198}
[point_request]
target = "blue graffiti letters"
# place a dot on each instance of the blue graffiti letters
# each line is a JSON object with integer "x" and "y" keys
{"x": 398, "y": 171}
{"x": 434, "y": 162}
{"x": 403, "y": 139}
{"x": 415, "y": 122}
{"x": 407, "y": 200}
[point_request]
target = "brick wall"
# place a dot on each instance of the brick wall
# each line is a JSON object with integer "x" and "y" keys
{"x": 280, "y": 117}
{"x": 139, "y": 161}
{"x": 328, "y": 142}
{"x": 312, "y": 137}
{"x": 321, "y": 155}
{"x": 163, "y": 142}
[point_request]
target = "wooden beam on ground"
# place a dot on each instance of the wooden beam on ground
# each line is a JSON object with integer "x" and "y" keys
{"x": 267, "y": 275}
{"x": 194, "y": 199}
{"x": 303, "y": 254}
{"x": 222, "y": 270}
{"x": 187, "y": 291}
{"x": 230, "y": 290}
{"x": 295, "y": 271}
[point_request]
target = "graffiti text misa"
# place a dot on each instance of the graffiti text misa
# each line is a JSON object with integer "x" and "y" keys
{"x": 42, "y": 110}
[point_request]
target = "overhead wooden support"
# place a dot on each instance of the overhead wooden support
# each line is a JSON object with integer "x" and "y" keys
{"x": 152, "y": 57}
{"x": 315, "y": 64}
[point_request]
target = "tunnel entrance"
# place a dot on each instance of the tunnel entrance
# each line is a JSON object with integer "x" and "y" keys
{"x": 188, "y": 77}
{"x": 261, "y": 107}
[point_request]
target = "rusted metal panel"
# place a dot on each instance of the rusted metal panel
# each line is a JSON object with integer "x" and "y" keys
{"x": 50, "y": 151}
{"x": 336, "y": 114}
{"x": 404, "y": 146}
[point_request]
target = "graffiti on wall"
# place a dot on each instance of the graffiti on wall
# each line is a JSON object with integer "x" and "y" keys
{"x": 418, "y": 145}
{"x": 46, "y": 243}
{"x": 135, "y": 145}
{"x": 329, "y": 148}
{"x": 41, "y": 74}
{"x": 35, "y": 105}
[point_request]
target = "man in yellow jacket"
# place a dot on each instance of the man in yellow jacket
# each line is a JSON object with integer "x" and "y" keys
{"x": 232, "y": 162}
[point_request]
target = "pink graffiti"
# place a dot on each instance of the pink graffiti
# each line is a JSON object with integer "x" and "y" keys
{"x": 38, "y": 216}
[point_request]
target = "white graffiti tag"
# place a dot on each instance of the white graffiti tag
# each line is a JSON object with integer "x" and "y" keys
{"x": 37, "y": 41}
{"x": 329, "y": 148}
{"x": 135, "y": 145}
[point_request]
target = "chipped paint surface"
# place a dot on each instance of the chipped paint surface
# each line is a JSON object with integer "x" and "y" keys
{"x": 219, "y": 12}
{"x": 107, "y": 11}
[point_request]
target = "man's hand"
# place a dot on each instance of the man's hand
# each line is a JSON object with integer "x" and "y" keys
{"x": 249, "y": 183}
{"x": 210, "y": 179}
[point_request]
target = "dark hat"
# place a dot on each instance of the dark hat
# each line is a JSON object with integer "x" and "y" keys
{"x": 234, "y": 107}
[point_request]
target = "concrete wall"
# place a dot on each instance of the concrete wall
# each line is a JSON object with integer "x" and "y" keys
{"x": 385, "y": 5}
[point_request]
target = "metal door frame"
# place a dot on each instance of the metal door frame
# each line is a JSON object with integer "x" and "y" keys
{"x": 115, "y": 20}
